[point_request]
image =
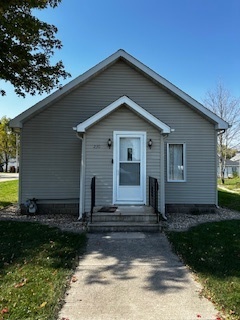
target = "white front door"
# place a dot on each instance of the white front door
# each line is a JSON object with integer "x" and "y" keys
{"x": 129, "y": 168}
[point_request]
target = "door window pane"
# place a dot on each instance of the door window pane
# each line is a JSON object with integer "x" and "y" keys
{"x": 129, "y": 174}
{"x": 129, "y": 149}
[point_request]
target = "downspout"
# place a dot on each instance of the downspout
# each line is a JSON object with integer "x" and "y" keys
{"x": 162, "y": 185}
{"x": 219, "y": 132}
{"x": 162, "y": 189}
{"x": 82, "y": 175}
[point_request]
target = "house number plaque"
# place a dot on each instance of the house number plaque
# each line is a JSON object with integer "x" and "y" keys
{"x": 96, "y": 146}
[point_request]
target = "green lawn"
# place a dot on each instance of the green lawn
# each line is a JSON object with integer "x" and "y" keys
{"x": 36, "y": 263}
{"x": 230, "y": 199}
{"x": 212, "y": 251}
{"x": 8, "y": 193}
{"x": 231, "y": 184}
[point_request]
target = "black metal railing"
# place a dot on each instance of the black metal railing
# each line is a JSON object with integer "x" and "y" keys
{"x": 93, "y": 194}
{"x": 153, "y": 195}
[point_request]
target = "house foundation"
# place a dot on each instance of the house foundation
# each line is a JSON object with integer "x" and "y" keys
{"x": 190, "y": 208}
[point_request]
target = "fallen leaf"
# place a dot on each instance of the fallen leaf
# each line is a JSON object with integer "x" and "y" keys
{"x": 43, "y": 304}
{"x": 21, "y": 284}
{"x": 74, "y": 279}
{"x": 4, "y": 310}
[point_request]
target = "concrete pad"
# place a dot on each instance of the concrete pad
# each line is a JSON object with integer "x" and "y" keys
{"x": 125, "y": 235}
{"x": 133, "y": 278}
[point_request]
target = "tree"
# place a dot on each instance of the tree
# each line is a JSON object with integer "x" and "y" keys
{"x": 8, "y": 142}
{"x": 223, "y": 104}
{"x": 230, "y": 152}
{"x": 27, "y": 45}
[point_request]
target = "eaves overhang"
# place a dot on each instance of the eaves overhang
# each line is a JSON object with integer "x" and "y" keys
{"x": 18, "y": 121}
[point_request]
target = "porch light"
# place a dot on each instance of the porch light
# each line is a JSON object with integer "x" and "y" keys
{"x": 109, "y": 143}
{"x": 150, "y": 143}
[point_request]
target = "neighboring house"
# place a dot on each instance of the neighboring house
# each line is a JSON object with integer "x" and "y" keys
{"x": 236, "y": 166}
{"x": 232, "y": 168}
{"x": 122, "y": 123}
{"x": 236, "y": 157}
{"x": 12, "y": 165}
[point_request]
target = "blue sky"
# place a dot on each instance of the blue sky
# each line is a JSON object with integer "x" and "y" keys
{"x": 192, "y": 43}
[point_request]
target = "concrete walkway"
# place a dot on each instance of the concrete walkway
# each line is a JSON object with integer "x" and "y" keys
{"x": 132, "y": 276}
{"x": 228, "y": 190}
{"x": 8, "y": 176}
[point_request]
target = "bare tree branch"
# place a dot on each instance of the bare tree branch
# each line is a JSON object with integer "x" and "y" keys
{"x": 227, "y": 107}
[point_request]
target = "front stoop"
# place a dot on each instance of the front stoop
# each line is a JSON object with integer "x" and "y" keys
{"x": 125, "y": 219}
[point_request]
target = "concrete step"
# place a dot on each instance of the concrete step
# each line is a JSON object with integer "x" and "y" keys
{"x": 123, "y": 227}
{"x": 124, "y": 217}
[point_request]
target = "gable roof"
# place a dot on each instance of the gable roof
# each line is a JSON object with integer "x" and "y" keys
{"x": 82, "y": 127}
{"x": 230, "y": 163}
{"x": 236, "y": 157}
{"x": 120, "y": 54}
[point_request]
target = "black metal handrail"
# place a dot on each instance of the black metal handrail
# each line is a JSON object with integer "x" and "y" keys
{"x": 93, "y": 194}
{"x": 153, "y": 195}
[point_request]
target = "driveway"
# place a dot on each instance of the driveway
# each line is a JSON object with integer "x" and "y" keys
{"x": 133, "y": 276}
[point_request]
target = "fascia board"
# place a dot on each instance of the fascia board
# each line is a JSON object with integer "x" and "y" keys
{"x": 220, "y": 123}
{"x": 17, "y": 122}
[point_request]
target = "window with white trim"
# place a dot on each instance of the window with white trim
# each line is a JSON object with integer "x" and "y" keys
{"x": 176, "y": 163}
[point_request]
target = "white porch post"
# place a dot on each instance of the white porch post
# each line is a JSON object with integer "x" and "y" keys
{"x": 162, "y": 180}
{"x": 82, "y": 180}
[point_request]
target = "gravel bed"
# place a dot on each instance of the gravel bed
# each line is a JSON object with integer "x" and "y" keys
{"x": 175, "y": 222}
{"x": 182, "y": 222}
{"x": 62, "y": 221}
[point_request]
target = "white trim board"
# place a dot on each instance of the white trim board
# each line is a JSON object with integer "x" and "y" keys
{"x": 117, "y": 135}
{"x": 120, "y": 54}
{"x": 82, "y": 127}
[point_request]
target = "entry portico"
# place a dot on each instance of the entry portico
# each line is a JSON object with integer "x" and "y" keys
{"x": 130, "y": 159}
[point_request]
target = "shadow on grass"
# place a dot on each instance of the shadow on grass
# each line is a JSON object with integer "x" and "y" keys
{"x": 23, "y": 241}
{"x": 4, "y": 204}
{"x": 36, "y": 262}
{"x": 210, "y": 248}
{"x": 212, "y": 251}
{"x": 229, "y": 200}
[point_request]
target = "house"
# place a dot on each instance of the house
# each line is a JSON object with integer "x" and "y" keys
{"x": 232, "y": 168}
{"x": 12, "y": 165}
{"x": 235, "y": 161}
{"x": 236, "y": 157}
{"x": 121, "y": 123}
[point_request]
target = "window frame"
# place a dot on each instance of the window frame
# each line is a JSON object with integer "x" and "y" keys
{"x": 184, "y": 162}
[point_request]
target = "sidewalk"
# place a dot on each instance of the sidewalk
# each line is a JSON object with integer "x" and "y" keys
{"x": 128, "y": 276}
{"x": 8, "y": 176}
